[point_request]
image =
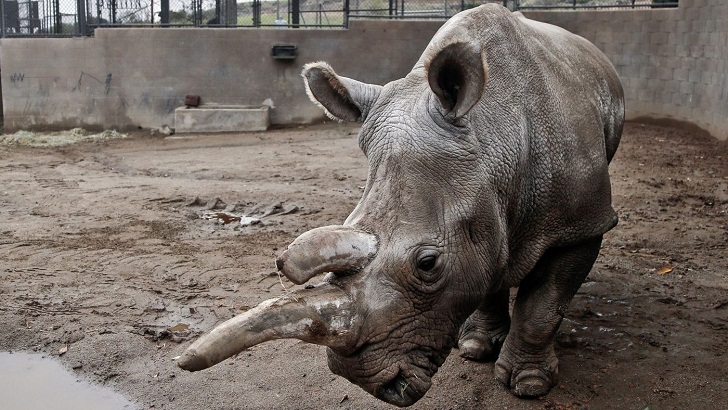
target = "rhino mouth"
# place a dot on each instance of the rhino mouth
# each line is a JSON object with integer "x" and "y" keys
{"x": 403, "y": 391}
{"x": 402, "y": 383}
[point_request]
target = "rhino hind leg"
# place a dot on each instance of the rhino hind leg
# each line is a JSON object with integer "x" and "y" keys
{"x": 483, "y": 333}
{"x": 527, "y": 363}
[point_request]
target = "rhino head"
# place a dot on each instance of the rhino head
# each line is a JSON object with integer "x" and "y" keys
{"x": 411, "y": 293}
{"x": 477, "y": 183}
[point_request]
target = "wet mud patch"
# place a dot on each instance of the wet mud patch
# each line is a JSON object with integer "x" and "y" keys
{"x": 36, "y": 381}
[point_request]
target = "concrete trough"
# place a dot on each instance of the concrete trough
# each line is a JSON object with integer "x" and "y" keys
{"x": 221, "y": 118}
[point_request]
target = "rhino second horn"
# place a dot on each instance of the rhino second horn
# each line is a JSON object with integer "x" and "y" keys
{"x": 336, "y": 248}
{"x": 322, "y": 315}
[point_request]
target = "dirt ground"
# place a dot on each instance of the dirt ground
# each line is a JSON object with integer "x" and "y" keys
{"x": 112, "y": 257}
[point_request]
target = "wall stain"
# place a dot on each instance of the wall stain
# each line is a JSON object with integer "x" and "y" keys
{"x": 106, "y": 83}
{"x": 17, "y": 78}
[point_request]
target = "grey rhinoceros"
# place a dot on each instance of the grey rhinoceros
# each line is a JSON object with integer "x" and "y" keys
{"x": 487, "y": 171}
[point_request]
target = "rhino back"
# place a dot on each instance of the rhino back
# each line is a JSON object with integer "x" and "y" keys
{"x": 549, "y": 122}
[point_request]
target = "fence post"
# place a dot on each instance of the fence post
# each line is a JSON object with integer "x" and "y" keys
{"x": 231, "y": 13}
{"x": 164, "y": 12}
{"x": 346, "y": 13}
{"x": 58, "y": 29}
{"x": 256, "y": 13}
{"x": 2, "y": 18}
{"x": 295, "y": 13}
{"x": 82, "y": 23}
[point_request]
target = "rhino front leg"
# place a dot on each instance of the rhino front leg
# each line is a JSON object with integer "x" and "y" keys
{"x": 482, "y": 335}
{"x": 527, "y": 363}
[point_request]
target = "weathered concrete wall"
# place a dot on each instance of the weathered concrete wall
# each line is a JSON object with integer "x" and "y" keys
{"x": 673, "y": 62}
{"x": 125, "y": 78}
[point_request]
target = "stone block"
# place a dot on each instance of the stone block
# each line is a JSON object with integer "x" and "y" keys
{"x": 645, "y": 95}
{"x": 680, "y": 74}
{"x": 695, "y": 75}
{"x": 658, "y": 38}
{"x": 648, "y": 71}
{"x": 222, "y": 118}
{"x": 665, "y": 72}
{"x": 686, "y": 88}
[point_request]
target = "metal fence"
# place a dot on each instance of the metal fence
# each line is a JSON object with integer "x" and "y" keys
{"x": 592, "y": 4}
{"x": 81, "y": 17}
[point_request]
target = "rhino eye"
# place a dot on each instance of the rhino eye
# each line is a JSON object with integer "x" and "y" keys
{"x": 427, "y": 262}
{"x": 429, "y": 267}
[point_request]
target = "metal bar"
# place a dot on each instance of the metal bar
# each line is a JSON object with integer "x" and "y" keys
{"x": 256, "y": 13}
{"x": 600, "y": 6}
{"x": 2, "y": 17}
{"x": 164, "y": 12}
{"x": 346, "y": 14}
{"x": 82, "y": 23}
{"x": 217, "y": 17}
{"x": 295, "y": 13}
{"x": 58, "y": 29}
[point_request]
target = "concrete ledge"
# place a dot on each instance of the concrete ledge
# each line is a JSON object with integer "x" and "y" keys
{"x": 221, "y": 118}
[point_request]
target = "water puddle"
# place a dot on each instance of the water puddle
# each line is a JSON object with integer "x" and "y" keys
{"x": 34, "y": 381}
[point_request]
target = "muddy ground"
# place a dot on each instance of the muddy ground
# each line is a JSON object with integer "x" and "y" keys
{"x": 107, "y": 258}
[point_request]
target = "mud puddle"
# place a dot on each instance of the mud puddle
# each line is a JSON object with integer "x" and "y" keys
{"x": 34, "y": 381}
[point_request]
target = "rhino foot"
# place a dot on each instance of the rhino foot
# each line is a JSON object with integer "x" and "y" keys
{"x": 481, "y": 345}
{"x": 485, "y": 331}
{"x": 530, "y": 379}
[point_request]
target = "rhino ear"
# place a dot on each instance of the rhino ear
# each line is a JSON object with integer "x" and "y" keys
{"x": 457, "y": 74}
{"x": 342, "y": 98}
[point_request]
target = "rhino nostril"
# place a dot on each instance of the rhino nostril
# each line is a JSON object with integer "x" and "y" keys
{"x": 279, "y": 263}
{"x": 395, "y": 389}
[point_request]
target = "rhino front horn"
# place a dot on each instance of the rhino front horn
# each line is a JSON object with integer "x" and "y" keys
{"x": 337, "y": 248}
{"x": 322, "y": 315}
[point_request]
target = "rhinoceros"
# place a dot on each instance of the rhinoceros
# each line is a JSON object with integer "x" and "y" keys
{"x": 488, "y": 171}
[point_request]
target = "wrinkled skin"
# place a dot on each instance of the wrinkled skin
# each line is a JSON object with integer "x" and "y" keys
{"x": 487, "y": 171}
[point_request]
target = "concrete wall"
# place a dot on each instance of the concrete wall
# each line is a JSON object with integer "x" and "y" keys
{"x": 127, "y": 78}
{"x": 672, "y": 63}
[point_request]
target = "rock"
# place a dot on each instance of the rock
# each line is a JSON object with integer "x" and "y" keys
{"x": 166, "y": 130}
{"x": 195, "y": 202}
{"x": 215, "y": 203}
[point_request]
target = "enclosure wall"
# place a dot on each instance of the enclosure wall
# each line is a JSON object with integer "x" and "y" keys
{"x": 672, "y": 63}
{"x": 133, "y": 77}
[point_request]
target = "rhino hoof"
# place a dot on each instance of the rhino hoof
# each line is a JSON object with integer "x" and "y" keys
{"x": 481, "y": 343}
{"x": 527, "y": 383}
{"x": 531, "y": 386}
{"x": 478, "y": 349}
